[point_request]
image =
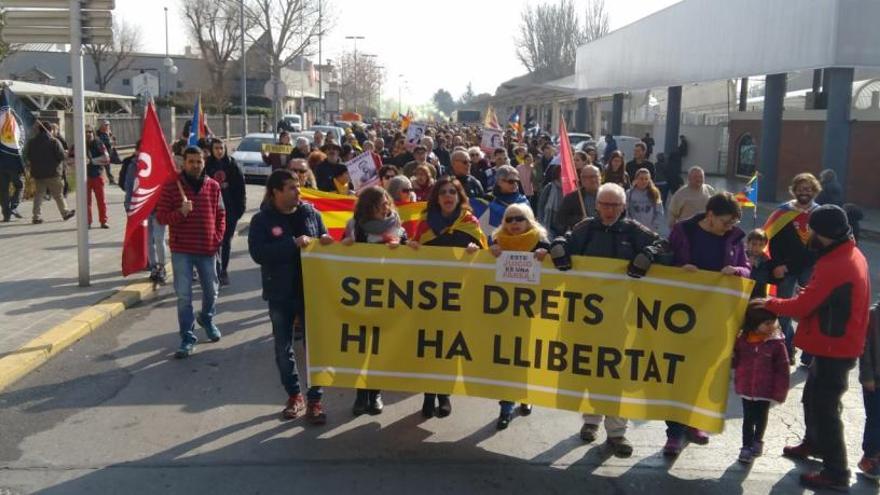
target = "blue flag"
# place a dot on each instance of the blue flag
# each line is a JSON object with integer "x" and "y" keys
{"x": 15, "y": 120}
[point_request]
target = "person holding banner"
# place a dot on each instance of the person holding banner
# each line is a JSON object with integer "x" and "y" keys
{"x": 707, "y": 241}
{"x": 519, "y": 231}
{"x": 375, "y": 221}
{"x": 192, "y": 208}
{"x": 610, "y": 235}
{"x": 447, "y": 221}
{"x": 284, "y": 225}
{"x": 278, "y": 159}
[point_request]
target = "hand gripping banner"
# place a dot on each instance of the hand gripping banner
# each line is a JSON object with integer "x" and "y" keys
{"x": 590, "y": 339}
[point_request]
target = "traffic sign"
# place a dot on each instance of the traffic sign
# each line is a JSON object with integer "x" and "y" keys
{"x": 57, "y": 18}
{"x": 25, "y": 34}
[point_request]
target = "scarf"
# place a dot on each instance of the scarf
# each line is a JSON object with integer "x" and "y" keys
{"x": 384, "y": 230}
{"x": 519, "y": 242}
{"x": 433, "y": 225}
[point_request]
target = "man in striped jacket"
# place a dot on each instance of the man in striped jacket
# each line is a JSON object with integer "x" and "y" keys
{"x": 192, "y": 208}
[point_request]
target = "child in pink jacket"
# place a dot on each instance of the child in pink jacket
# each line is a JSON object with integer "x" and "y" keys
{"x": 760, "y": 363}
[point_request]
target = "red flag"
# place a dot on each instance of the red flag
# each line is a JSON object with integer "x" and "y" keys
{"x": 567, "y": 174}
{"x": 154, "y": 168}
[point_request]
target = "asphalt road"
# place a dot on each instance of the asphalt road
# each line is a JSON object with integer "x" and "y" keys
{"x": 117, "y": 414}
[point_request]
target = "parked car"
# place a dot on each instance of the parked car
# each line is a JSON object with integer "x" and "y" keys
{"x": 578, "y": 137}
{"x": 290, "y": 123}
{"x": 626, "y": 144}
{"x": 249, "y": 156}
{"x": 336, "y": 132}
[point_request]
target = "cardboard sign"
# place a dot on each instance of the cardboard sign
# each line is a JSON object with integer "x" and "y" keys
{"x": 518, "y": 267}
{"x": 281, "y": 149}
{"x": 362, "y": 170}
{"x": 414, "y": 134}
{"x": 492, "y": 139}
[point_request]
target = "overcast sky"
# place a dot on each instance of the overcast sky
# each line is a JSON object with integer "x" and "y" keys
{"x": 475, "y": 38}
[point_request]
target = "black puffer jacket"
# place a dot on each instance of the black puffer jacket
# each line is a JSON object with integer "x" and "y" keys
{"x": 621, "y": 240}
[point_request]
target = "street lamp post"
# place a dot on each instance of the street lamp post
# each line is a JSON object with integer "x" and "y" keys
{"x": 244, "y": 117}
{"x": 379, "y": 91}
{"x": 355, "y": 39}
{"x": 170, "y": 68}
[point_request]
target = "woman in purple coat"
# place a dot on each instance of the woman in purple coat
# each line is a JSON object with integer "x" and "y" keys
{"x": 708, "y": 241}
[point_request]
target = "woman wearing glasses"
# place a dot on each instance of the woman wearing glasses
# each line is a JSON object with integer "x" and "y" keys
{"x": 519, "y": 231}
{"x": 707, "y": 241}
{"x": 447, "y": 221}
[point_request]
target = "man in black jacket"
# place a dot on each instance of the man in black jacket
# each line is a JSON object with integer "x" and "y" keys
{"x": 46, "y": 160}
{"x": 461, "y": 169}
{"x": 283, "y": 226}
{"x": 222, "y": 168}
{"x": 610, "y": 235}
{"x": 570, "y": 211}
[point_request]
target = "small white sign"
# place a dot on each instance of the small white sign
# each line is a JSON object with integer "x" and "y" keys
{"x": 414, "y": 134}
{"x": 492, "y": 139}
{"x": 145, "y": 83}
{"x": 518, "y": 267}
{"x": 362, "y": 170}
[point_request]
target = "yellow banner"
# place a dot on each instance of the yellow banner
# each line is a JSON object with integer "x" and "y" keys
{"x": 281, "y": 149}
{"x": 590, "y": 339}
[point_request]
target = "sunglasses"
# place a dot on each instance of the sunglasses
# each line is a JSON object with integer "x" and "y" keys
{"x": 300, "y": 171}
{"x": 518, "y": 218}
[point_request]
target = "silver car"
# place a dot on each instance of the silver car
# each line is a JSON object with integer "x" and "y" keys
{"x": 249, "y": 156}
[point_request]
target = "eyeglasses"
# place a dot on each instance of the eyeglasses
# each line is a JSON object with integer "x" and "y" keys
{"x": 448, "y": 192}
{"x": 608, "y": 205}
{"x": 300, "y": 171}
{"x": 518, "y": 218}
{"x": 731, "y": 222}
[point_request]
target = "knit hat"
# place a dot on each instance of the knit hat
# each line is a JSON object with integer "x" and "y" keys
{"x": 830, "y": 221}
{"x": 755, "y": 316}
{"x": 397, "y": 184}
{"x": 506, "y": 172}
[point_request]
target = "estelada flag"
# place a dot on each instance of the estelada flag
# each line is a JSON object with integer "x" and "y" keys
{"x": 337, "y": 209}
{"x": 748, "y": 198}
{"x": 199, "y": 127}
{"x": 567, "y": 174}
{"x": 154, "y": 168}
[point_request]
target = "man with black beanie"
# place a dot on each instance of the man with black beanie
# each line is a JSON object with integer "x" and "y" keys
{"x": 832, "y": 311}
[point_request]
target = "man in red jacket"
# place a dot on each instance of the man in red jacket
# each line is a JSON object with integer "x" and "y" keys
{"x": 833, "y": 318}
{"x": 192, "y": 207}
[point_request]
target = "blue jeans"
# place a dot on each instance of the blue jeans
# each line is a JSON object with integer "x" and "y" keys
{"x": 282, "y": 315}
{"x": 871, "y": 439}
{"x": 155, "y": 241}
{"x": 786, "y": 290}
{"x": 183, "y": 268}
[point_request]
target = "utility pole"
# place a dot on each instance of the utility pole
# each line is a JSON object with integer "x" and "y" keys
{"x": 244, "y": 116}
{"x": 320, "y": 60}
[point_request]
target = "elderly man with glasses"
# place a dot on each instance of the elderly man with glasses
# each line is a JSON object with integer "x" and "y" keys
{"x": 610, "y": 235}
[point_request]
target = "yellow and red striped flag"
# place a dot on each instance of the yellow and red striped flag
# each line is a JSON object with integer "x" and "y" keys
{"x": 337, "y": 210}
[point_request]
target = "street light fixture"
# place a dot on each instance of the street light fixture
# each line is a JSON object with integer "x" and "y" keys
{"x": 168, "y": 62}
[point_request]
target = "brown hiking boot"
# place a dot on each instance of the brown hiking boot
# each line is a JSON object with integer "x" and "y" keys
{"x": 315, "y": 413}
{"x": 295, "y": 407}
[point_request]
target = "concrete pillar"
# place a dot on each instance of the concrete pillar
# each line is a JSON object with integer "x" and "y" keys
{"x": 226, "y": 132}
{"x": 168, "y": 120}
{"x": 743, "y": 94}
{"x": 617, "y": 114}
{"x": 835, "y": 149}
{"x": 596, "y": 113}
{"x": 582, "y": 115}
{"x": 673, "y": 119}
{"x": 555, "y": 114}
{"x": 771, "y": 136}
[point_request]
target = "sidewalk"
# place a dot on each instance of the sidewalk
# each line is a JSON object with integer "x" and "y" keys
{"x": 39, "y": 287}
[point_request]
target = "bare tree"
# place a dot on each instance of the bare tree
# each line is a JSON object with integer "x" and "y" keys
{"x": 215, "y": 28}
{"x": 358, "y": 81}
{"x": 285, "y": 29}
{"x": 112, "y": 58}
{"x": 548, "y": 38}
{"x": 596, "y": 23}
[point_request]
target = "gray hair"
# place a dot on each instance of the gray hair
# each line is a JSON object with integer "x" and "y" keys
{"x": 613, "y": 188}
{"x": 396, "y": 184}
{"x": 696, "y": 168}
{"x": 302, "y": 141}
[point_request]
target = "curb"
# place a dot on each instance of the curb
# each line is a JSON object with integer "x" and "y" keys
{"x": 41, "y": 349}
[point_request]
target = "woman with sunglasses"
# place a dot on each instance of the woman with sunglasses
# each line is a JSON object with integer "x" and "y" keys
{"x": 447, "y": 221}
{"x": 401, "y": 190}
{"x": 375, "y": 221}
{"x": 386, "y": 173}
{"x": 507, "y": 191}
{"x": 519, "y": 231}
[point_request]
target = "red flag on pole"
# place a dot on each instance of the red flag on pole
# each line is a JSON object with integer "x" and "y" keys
{"x": 153, "y": 169}
{"x": 567, "y": 174}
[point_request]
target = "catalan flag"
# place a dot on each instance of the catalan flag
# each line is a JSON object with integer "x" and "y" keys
{"x": 491, "y": 120}
{"x": 338, "y": 209}
{"x": 404, "y": 124}
{"x": 748, "y": 198}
